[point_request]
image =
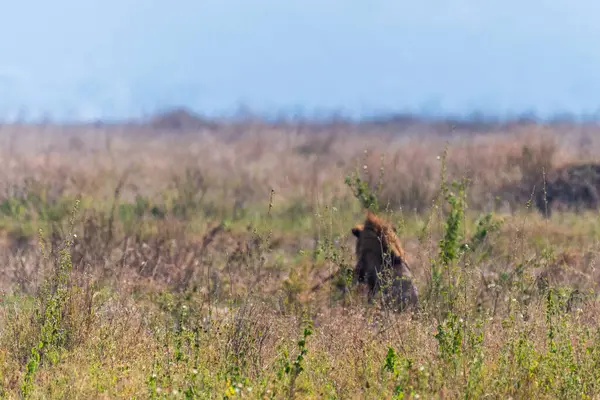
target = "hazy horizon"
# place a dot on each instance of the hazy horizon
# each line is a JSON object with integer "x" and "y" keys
{"x": 114, "y": 59}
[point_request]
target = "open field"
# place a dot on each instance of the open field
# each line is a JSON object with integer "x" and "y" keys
{"x": 139, "y": 262}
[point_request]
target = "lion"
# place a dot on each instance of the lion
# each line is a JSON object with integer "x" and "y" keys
{"x": 381, "y": 263}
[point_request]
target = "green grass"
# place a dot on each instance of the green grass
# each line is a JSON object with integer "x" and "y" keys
{"x": 82, "y": 339}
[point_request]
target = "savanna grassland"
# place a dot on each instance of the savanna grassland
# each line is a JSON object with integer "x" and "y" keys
{"x": 141, "y": 262}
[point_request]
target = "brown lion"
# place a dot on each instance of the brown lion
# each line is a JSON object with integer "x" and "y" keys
{"x": 381, "y": 262}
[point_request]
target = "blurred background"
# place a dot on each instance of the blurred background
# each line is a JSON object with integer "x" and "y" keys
{"x": 120, "y": 59}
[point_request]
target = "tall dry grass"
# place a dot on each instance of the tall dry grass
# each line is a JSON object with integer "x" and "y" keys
{"x": 191, "y": 255}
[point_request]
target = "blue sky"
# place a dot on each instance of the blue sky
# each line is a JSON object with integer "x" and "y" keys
{"x": 117, "y": 58}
